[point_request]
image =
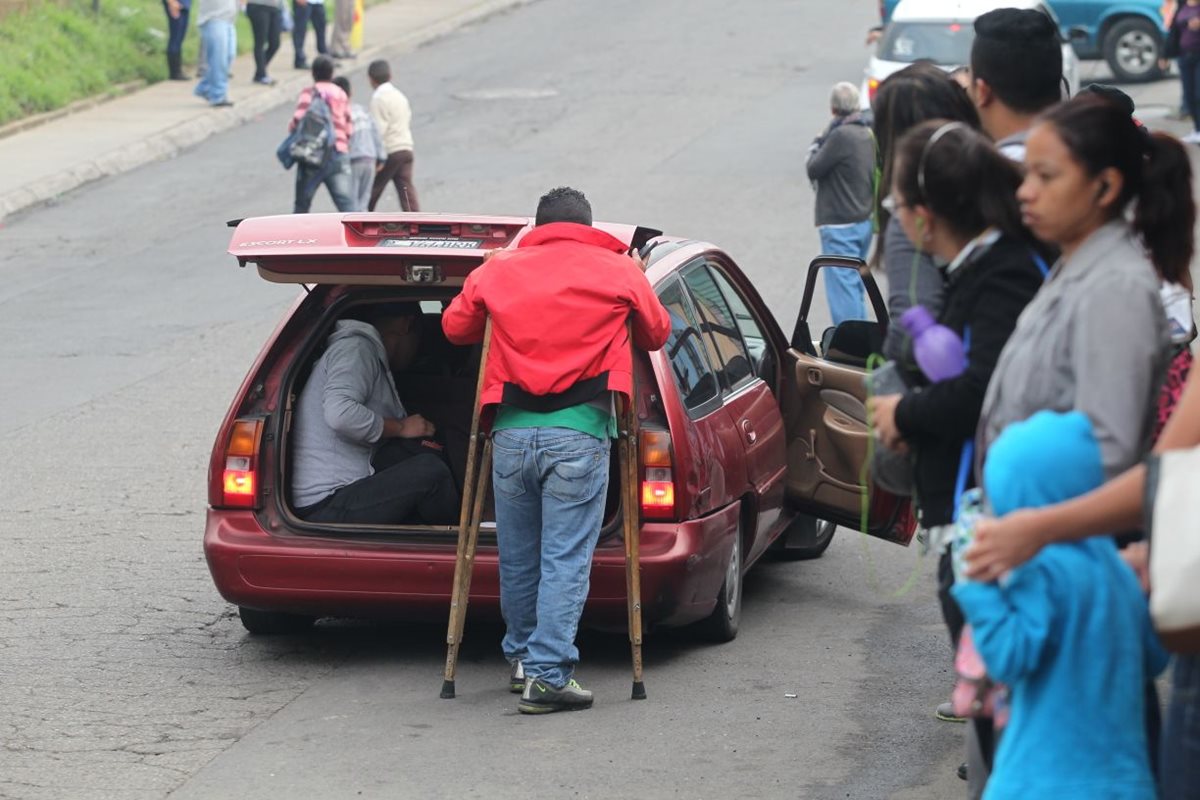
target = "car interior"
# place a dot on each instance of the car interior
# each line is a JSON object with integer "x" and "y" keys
{"x": 440, "y": 385}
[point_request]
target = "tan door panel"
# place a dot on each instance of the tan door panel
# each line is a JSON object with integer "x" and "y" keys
{"x": 827, "y": 432}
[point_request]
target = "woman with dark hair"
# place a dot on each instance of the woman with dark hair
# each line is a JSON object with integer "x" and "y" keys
{"x": 1095, "y": 338}
{"x": 955, "y": 200}
{"x": 915, "y": 94}
{"x": 954, "y": 196}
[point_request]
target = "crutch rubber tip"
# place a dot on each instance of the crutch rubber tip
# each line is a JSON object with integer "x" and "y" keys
{"x": 639, "y": 690}
{"x": 447, "y": 690}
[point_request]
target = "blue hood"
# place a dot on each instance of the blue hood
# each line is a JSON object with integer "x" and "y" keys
{"x": 1043, "y": 460}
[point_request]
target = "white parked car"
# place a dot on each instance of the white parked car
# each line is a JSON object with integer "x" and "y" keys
{"x": 941, "y": 32}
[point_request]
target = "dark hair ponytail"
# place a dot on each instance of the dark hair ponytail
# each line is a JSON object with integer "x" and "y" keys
{"x": 1156, "y": 173}
{"x": 1165, "y": 214}
{"x": 958, "y": 174}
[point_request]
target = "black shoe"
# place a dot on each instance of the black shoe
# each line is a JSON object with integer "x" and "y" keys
{"x": 962, "y": 771}
{"x": 945, "y": 712}
{"x": 265, "y": 80}
{"x": 516, "y": 678}
{"x": 226, "y": 103}
{"x": 542, "y": 698}
{"x": 300, "y": 65}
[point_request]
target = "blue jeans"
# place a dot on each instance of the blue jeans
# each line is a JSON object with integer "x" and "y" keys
{"x": 176, "y": 29}
{"x": 843, "y": 287}
{"x": 302, "y": 15}
{"x": 1181, "y": 733}
{"x": 219, "y": 40}
{"x": 1189, "y": 79}
{"x": 335, "y": 174}
{"x": 550, "y": 485}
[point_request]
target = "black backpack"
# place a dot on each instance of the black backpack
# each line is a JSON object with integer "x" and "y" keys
{"x": 314, "y": 137}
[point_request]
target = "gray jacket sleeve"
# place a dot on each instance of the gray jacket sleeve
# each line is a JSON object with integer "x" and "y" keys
{"x": 832, "y": 151}
{"x": 1118, "y": 348}
{"x": 352, "y": 369}
{"x": 913, "y": 279}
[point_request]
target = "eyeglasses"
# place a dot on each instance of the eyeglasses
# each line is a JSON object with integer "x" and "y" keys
{"x": 891, "y": 205}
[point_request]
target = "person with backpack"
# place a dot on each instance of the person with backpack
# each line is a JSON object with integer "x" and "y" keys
{"x": 367, "y": 153}
{"x": 321, "y": 128}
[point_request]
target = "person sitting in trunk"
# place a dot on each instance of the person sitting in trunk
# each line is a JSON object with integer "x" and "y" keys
{"x": 348, "y": 412}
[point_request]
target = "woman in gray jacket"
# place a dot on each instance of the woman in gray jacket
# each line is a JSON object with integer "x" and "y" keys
{"x": 1095, "y": 338}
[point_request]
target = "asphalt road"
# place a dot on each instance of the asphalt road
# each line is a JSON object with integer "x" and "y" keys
{"x": 126, "y": 329}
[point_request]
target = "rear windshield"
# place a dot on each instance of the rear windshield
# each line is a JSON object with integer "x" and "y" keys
{"x": 947, "y": 44}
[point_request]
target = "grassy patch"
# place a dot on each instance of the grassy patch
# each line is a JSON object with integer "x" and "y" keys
{"x": 52, "y": 55}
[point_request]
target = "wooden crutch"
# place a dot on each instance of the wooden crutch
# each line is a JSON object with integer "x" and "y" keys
{"x": 475, "y": 488}
{"x": 630, "y": 505}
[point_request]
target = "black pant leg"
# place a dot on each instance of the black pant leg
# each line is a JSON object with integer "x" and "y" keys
{"x": 257, "y": 15}
{"x": 317, "y": 12}
{"x": 299, "y": 29}
{"x": 419, "y": 490}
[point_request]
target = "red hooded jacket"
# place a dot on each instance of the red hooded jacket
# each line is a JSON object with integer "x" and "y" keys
{"x": 558, "y": 304}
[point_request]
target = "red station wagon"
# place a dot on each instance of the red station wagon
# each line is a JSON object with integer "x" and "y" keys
{"x": 749, "y": 441}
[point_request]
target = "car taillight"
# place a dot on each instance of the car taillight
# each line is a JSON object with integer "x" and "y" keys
{"x": 239, "y": 481}
{"x": 658, "y": 482}
{"x": 872, "y": 88}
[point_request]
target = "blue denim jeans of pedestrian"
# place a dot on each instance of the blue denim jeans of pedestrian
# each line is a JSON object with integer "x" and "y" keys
{"x": 302, "y": 15}
{"x": 550, "y": 486}
{"x": 843, "y": 287}
{"x": 176, "y": 29}
{"x": 1189, "y": 79}
{"x": 335, "y": 174}
{"x": 1181, "y": 733}
{"x": 219, "y": 40}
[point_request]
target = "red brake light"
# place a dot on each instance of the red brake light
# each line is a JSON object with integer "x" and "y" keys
{"x": 658, "y": 483}
{"x": 239, "y": 481}
{"x": 955, "y": 27}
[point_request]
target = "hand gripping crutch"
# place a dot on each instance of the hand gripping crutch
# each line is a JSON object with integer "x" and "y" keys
{"x": 630, "y": 506}
{"x": 475, "y": 488}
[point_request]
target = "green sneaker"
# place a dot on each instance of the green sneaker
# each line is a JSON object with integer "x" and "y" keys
{"x": 540, "y": 697}
{"x": 516, "y": 679}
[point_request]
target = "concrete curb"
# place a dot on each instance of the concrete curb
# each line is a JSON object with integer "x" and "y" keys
{"x": 164, "y": 144}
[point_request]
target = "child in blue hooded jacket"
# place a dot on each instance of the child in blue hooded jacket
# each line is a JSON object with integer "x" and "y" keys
{"x": 1069, "y": 632}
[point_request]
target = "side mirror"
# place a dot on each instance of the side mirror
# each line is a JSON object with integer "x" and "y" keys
{"x": 801, "y": 337}
{"x": 1077, "y": 34}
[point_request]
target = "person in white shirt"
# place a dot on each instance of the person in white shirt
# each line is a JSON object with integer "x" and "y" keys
{"x": 393, "y": 118}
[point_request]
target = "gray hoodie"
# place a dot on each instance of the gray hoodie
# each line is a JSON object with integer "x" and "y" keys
{"x": 340, "y": 413}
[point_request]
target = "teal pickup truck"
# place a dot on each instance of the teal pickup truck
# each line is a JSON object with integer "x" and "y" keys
{"x": 1128, "y": 34}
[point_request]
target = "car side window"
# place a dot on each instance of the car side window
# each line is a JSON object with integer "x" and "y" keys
{"x": 752, "y": 334}
{"x": 694, "y": 375}
{"x": 722, "y": 335}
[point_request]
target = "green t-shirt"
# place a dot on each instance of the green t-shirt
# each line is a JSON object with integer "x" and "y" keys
{"x": 585, "y": 418}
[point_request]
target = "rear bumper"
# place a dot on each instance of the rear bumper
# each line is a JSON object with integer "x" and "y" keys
{"x": 683, "y": 565}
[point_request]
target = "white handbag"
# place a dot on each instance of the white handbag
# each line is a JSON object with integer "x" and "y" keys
{"x": 1172, "y": 508}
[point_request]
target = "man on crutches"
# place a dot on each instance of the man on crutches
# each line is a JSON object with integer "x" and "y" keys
{"x": 559, "y": 305}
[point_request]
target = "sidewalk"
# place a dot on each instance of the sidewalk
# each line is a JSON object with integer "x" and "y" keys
{"x": 49, "y": 160}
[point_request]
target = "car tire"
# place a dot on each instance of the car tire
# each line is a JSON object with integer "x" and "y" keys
{"x": 722, "y": 625}
{"x": 273, "y": 623}
{"x": 1132, "y": 48}
{"x": 805, "y": 538}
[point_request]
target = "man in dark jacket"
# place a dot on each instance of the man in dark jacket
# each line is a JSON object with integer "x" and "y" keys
{"x": 841, "y": 164}
{"x": 560, "y": 352}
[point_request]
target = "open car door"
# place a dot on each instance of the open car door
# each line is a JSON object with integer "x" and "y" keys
{"x": 823, "y": 399}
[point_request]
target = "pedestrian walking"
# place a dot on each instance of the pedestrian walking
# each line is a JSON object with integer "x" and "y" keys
{"x": 177, "y": 24}
{"x": 305, "y": 12}
{"x": 1016, "y": 73}
{"x": 916, "y": 94}
{"x": 367, "y": 154}
{"x": 343, "y": 23}
{"x": 218, "y": 39}
{"x": 393, "y": 118}
{"x": 841, "y": 165}
{"x": 1095, "y": 338}
{"x": 1069, "y": 633}
{"x": 559, "y": 305}
{"x": 266, "y": 22}
{"x": 334, "y": 171}
{"x": 1183, "y": 44}
{"x": 1005, "y": 544}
